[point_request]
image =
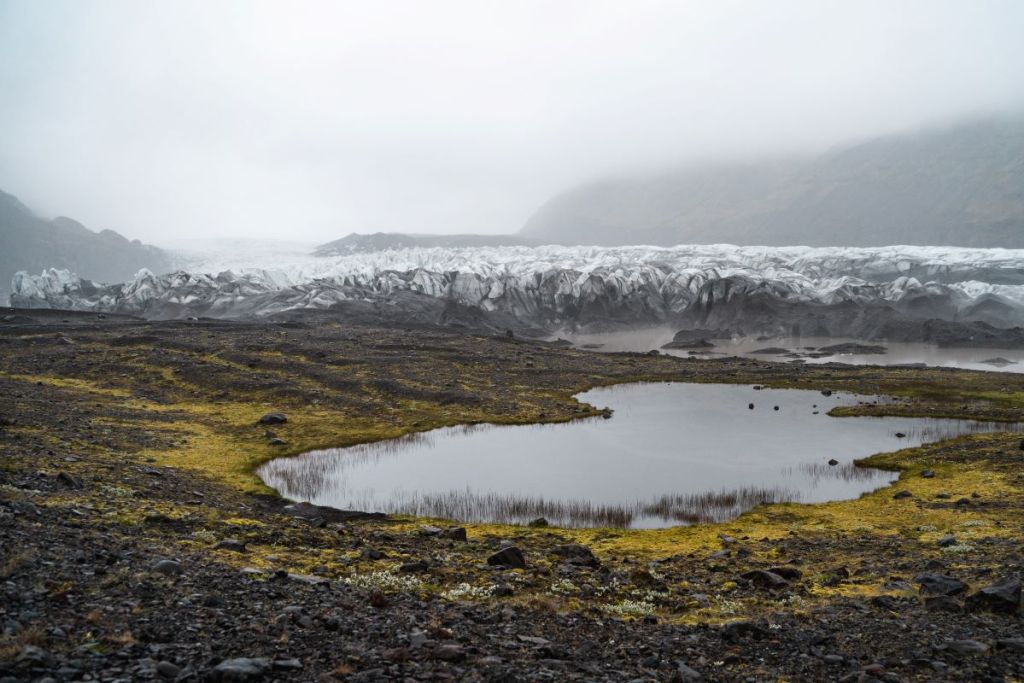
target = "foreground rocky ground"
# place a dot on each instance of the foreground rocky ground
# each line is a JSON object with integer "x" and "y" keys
{"x": 135, "y": 544}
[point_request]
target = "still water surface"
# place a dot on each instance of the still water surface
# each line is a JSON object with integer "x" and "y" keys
{"x": 897, "y": 353}
{"x": 671, "y": 454}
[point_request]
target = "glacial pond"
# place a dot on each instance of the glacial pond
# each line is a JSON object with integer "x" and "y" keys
{"x": 671, "y": 454}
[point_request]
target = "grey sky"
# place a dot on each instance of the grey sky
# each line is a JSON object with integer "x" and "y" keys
{"x": 308, "y": 120}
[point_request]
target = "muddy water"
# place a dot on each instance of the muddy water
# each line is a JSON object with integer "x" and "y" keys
{"x": 670, "y": 454}
{"x": 897, "y": 353}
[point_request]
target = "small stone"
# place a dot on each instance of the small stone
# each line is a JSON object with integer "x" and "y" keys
{"x": 277, "y": 442}
{"x": 1010, "y": 644}
{"x": 168, "y": 669}
{"x": 511, "y": 557}
{"x": 967, "y": 648}
{"x": 287, "y": 664}
{"x": 928, "y": 474}
{"x": 242, "y": 669}
{"x": 764, "y": 579}
{"x": 540, "y": 522}
{"x": 750, "y": 406}
{"x": 833, "y": 462}
{"x": 372, "y": 554}
{"x": 450, "y": 653}
{"x": 69, "y": 481}
{"x": 947, "y": 540}
{"x": 686, "y": 674}
{"x": 735, "y": 631}
{"x": 232, "y": 544}
{"x": 417, "y": 566}
{"x": 273, "y": 419}
{"x": 502, "y": 590}
{"x": 942, "y": 603}
{"x": 903, "y": 494}
{"x": 167, "y": 567}
{"x": 900, "y": 435}
{"x": 456, "y": 534}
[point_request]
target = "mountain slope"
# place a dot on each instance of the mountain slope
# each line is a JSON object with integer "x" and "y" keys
{"x": 30, "y": 243}
{"x": 961, "y": 186}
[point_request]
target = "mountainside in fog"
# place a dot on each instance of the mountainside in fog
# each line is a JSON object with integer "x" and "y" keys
{"x": 30, "y": 243}
{"x": 961, "y": 186}
{"x": 356, "y": 243}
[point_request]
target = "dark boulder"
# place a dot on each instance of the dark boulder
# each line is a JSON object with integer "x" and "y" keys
{"x": 999, "y": 597}
{"x": 939, "y": 584}
{"x": 273, "y": 419}
{"x": 511, "y": 557}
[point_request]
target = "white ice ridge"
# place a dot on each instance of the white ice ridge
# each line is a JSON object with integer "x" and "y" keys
{"x": 556, "y": 282}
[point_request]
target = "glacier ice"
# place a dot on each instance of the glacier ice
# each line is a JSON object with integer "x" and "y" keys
{"x": 559, "y": 286}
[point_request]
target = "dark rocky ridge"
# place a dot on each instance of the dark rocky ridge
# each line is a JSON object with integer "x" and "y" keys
{"x": 30, "y": 243}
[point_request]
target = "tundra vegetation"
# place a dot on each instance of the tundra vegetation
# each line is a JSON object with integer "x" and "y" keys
{"x": 136, "y": 541}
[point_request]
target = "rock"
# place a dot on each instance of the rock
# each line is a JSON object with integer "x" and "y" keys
{"x": 273, "y": 419}
{"x": 942, "y": 603}
{"x": 736, "y": 631}
{"x": 939, "y": 584}
{"x": 417, "y": 566}
{"x": 833, "y": 462}
{"x": 764, "y": 579}
{"x": 966, "y": 648}
{"x": 540, "y": 522}
{"x": 429, "y": 530}
{"x": 31, "y": 656}
{"x": 457, "y": 533}
{"x": 450, "y": 653}
{"x": 788, "y": 573}
{"x": 900, "y": 495}
{"x": 168, "y": 669}
{"x": 287, "y": 664}
{"x": 69, "y": 481}
{"x": 503, "y": 590}
{"x": 900, "y": 435}
{"x": 511, "y": 557}
{"x": 168, "y": 567}
{"x": 373, "y": 554}
{"x": 998, "y": 362}
{"x": 1010, "y": 645}
{"x": 579, "y": 555}
{"x": 232, "y": 544}
{"x": 947, "y": 540}
{"x": 750, "y": 406}
{"x": 853, "y": 348}
{"x": 928, "y": 474}
{"x": 242, "y": 669}
{"x": 886, "y": 602}
{"x": 685, "y": 674}
{"x": 1002, "y": 597}
{"x": 277, "y": 442}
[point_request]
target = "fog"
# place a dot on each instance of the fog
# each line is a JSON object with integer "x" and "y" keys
{"x": 309, "y": 120}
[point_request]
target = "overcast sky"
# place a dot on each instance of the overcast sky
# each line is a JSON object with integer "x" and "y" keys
{"x": 308, "y": 120}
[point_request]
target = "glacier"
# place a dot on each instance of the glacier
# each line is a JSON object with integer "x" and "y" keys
{"x": 829, "y": 291}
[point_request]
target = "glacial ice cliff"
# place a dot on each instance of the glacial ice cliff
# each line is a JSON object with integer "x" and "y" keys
{"x": 746, "y": 289}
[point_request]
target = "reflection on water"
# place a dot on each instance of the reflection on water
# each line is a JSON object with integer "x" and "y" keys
{"x": 897, "y": 353}
{"x": 671, "y": 454}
